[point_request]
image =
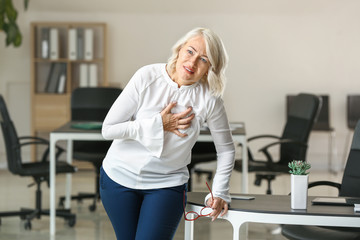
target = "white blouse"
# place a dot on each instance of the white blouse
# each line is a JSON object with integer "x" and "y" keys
{"x": 143, "y": 155}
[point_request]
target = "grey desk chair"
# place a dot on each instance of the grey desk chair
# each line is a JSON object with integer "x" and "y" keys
{"x": 91, "y": 104}
{"x": 352, "y": 117}
{"x": 322, "y": 124}
{"x": 293, "y": 142}
{"x": 39, "y": 170}
{"x": 349, "y": 187}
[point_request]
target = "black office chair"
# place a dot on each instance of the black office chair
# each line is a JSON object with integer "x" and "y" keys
{"x": 39, "y": 170}
{"x": 352, "y": 117}
{"x": 91, "y": 104}
{"x": 349, "y": 187}
{"x": 292, "y": 143}
{"x": 200, "y": 153}
{"x": 322, "y": 124}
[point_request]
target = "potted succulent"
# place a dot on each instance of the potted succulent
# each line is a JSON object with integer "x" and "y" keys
{"x": 299, "y": 183}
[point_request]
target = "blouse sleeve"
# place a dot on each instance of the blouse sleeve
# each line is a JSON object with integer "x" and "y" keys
{"x": 221, "y": 134}
{"x": 121, "y": 123}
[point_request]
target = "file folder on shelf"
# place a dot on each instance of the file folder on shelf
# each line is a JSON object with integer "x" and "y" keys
{"x": 80, "y": 43}
{"x": 93, "y": 82}
{"x": 89, "y": 44}
{"x": 54, "y": 43}
{"x": 62, "y": 80}
{"x": 44, "y": 53}
{"x": 83, "y": 75}
{"x": 72, "y": 44}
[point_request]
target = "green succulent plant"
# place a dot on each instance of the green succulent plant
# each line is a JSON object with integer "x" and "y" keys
{"x": 8, "y": 16}
{"x": 299, "y": 167}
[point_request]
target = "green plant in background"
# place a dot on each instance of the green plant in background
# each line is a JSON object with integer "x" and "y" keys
{"x": 299, "y": 167}
{"x": 8, "y": 16}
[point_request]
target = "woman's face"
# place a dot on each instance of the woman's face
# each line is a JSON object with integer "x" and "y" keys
{"x": 192, "y": 63}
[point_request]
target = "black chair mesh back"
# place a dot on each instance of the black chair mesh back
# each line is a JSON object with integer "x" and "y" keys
{"x": 294, "y": 129}
{"x": 350, "y": 186}
{"x": 300, "y": 119}
{"x": 323, "y": 119}
{"x": 11, "y": 139}
{"x": 353, "y": 110}
{"x": 204, "y": 150}
{"x": 322, "y": 122}
{"x": 92, "y": 104}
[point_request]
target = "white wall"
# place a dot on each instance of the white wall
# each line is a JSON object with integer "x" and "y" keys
{"x": 276, "y": 47}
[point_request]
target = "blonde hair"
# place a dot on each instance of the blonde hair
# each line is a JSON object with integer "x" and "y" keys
{"x": 216, "y": 53}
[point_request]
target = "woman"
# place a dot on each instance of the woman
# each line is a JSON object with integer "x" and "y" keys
{"x": 155, "y": 123}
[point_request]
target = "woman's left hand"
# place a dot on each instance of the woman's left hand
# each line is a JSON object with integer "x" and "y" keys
{"x": 218, "y": 206}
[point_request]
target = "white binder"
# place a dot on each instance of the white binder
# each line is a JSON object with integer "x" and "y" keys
{"x": 93, "y": 81}
{"x": 72, "y": 44}
{"x": 80, "y": 43}
{"x": 61, "y": 84}
{"x": 54, "y": 43}
{"x": 45, "y": 42}
{"x": 89, "y": 44}
{"x": 83, "y": 78}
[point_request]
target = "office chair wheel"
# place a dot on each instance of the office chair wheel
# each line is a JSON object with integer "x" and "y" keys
{"x": 71, "y": 221}
{"x": 92, "y": 207}
{"x": 27, "y": 225}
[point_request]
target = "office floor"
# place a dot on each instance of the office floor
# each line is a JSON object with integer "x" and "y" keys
{"x": 14, "y": 193}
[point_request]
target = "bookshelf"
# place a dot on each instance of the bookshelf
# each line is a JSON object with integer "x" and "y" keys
{"x": 64, "y": 56}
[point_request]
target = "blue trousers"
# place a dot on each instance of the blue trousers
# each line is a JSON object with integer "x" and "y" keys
{"x": 152, "y": 214}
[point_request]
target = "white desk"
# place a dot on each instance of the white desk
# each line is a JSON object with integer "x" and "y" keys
{"x": 66, "y": 133}
{"x": 274, "y": 209}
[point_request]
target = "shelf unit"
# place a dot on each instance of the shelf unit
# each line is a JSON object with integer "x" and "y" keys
{"x": 51, "y": 108}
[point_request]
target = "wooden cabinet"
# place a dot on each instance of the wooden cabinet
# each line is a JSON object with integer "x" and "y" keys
{"x": 65, "y": 55}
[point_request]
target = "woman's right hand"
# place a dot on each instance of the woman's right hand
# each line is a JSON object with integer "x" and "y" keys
{"x": 172, "y": 122}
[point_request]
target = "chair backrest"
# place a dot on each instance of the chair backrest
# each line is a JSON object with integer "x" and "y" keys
{"x": 350, "y": 186}
{"x": 202, "y": 152}
{"x": 11, "y": 140}
{"x": 322, "y": 122}
{"x": 353, "y": 110}
{"x": 92, "y": 104}
{"x": 303, "y": 110}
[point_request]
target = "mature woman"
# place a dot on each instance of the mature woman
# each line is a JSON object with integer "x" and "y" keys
{"x": 155, "y": 123}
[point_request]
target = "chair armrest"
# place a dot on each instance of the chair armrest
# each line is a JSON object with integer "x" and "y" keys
{"x": 325, "y": 183}
{"x": 268, "y": 155}
{"x": 34, "y": 138}
{"x": 262, "y": 136}
{"x": 38, "y": 140}
{"x": 250, "y": 155}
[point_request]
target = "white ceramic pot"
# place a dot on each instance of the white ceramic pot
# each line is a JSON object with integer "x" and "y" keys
{"x": 299, "y": 191}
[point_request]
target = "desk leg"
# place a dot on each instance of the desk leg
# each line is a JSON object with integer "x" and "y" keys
{"x": 69, "y": 175}
{"x": 243, "y": 231}
{"x": 240, "y": 227}
{"x": 52, "y": 185}
{"x": 189, "y": 228}
{"x": 240, "y": 231}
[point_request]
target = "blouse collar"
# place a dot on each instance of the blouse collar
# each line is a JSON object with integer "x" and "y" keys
{"x": 174, "y": 84}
